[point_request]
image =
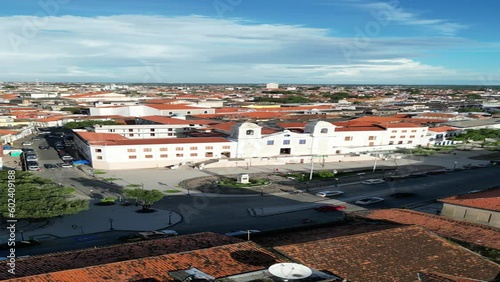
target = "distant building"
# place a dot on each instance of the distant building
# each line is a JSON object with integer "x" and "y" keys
{"x": 272, "y": 86}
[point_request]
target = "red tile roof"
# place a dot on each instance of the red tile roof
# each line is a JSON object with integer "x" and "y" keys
{"x": 218, "y": 262}
{"x": 425, "y": 276}
{"x": 398, "y": 125}
{"x": 487, "y": 200}
{"x": 359, "y": 128}
{"x": 459, "y": 230}
{"x": 175, "y": 107}
{"x": 5, "y": 132}
{"x": 290, "y": 125}
{"x": 114, "y": 139}
{"x": 390, "y": 255}
{"x": 168, "y": 120}
{"x": 96, "y": 256}
{"x": 442, "y": 128}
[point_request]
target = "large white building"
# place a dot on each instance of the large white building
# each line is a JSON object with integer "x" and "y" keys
{"x": 247, "y": 145}
{"x": 150, "y": 110}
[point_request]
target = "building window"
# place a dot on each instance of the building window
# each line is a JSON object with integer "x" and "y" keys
{"x": 226, "y": 147}
{"x": 409, "y": 142}
{"x": 147, "y": 150}
{"x": 338, "y": 152}
{"x": 270, "y": 142}
{"x": 209, "y": 147}
{"x": 400, "y": 142}
{"x": 170, "y": 129}
{"x": 209, "y": 155}
{"x": 163, "y": 156}
{"x": 348, "y": 138}
{"x": 148, "y": 156}
{"x": 302, "y": 141}
{"x": 324, "y": 130}
{"x": 170, "y": 134}
{"x": 130, "y": 150}
{"x": 131, "y": 135}
{"x": 188, "y": 112}
{"x": 249, "y": 132}
{"x": 163, "y": 149}
{"x": 179, "y": 155}
{"x": 179, "y": 148}
{"x": 414, "y": 130}
{"x": 371, "y": 144}
{"x": 151, "y": 134}
{"x": 193, "y": 148}
{"x": 404, "y": 131}
{"x": 286, "y": 142}
{"x": 394, "y": 131}
{"x": 412, "y": 136}
{"x": 193, "y": 154}
{"x": 152, "y": 130}
{"x": 402, "y": 136}
{"x": 372, "y": 137}
{"x": 98, "y": 150}
{"x": 421, "y": 135}
{"x": 287, "y": 135}
{"x": 391, "y": 142}
{"x": 99, "y": 157}
{"x": 392, "y": 137}
{"x": 132, "y": 157}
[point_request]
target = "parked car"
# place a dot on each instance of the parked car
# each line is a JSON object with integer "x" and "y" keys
{"x": 20, "y": 244}
{"x": 368, "y": 201}
{"x": 50, "y": 166}
{"x": 43, "y": 147}
{"x": 240, "y": 233}
{"x": 66, "y": 158}
{"x": 28, "y": 150}
{"x": 329, "y": 193}
{"x": 65, "y": 165}
{"x": 33, "y": 166}
{"x": 373, "y": 181}
{"x": 31, "y": 157}
{"x": 27, "y": 143}
{"x": 328, "y": 208}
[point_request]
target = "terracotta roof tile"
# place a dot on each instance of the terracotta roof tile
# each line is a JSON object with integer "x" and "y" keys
{"x": 96, "y": 256}
{"x": 442, "y": 128}
{"x": 175, "y": 107}
{"x": 488, "y": 200}
{"x": 390, "y": 255}
{"x": 218, "y": 262}
{"x": 440, "y": 277}
{"x": 448, "y": 228}
{"x": 169, "y": 120}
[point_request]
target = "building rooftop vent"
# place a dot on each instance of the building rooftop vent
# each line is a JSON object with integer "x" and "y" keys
{"x": 191, "y": 275}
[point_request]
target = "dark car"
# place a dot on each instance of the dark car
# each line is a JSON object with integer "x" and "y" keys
{"x": 50, "y": 166}
{"x": 328, "y": 208}
{"x": 43, "y": 147}
{"x": 402, "y": 195}
{"x": 20, "y": 244}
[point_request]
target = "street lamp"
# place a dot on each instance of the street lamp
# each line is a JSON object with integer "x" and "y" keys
{"x": 454, "y": 165}
{"x": 188, "y": 191}
{"x": 169, "y": 218}
{"x": 111, "y": 224}
{"x": 262, "y": 191}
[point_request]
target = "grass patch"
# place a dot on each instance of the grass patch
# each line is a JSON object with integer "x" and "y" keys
{"x": 172, "y": 191}
{"x": 134, "y": 185}
{"x": 99, "y": 172}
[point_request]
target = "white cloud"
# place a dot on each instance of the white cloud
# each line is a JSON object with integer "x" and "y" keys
{"x": 202, "y": 49}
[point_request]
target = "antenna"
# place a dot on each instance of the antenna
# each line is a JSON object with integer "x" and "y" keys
{"x": 290, "y": 270}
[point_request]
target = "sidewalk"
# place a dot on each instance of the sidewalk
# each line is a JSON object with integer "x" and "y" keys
{"x": 97, "y": 219}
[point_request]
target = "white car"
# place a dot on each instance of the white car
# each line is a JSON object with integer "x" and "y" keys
{"x": 65, "y": 165}
{"x": 371, "y": 200}
{"x": 329, "y": 193}
{"x": 169, "y": 232}
{"x": 28, "y": 143}
{"x": 373, "y": 181}
{"x": 241, "y": 233}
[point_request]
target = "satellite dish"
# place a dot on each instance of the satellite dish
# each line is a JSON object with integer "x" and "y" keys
{"x": 289, "y": 270}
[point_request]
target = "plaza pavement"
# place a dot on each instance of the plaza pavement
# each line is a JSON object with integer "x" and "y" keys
{"x": 96, "y": 219}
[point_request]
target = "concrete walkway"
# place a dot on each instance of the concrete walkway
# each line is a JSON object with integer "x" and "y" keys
{"x": 97, "y": 219}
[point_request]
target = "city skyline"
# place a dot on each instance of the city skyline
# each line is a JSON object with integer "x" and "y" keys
{"x": 242, "y": 41}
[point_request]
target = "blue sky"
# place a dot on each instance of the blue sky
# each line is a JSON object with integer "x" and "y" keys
{"x": 251, "y": 41}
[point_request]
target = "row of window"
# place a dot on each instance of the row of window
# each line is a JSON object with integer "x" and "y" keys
{"x": 163, "y": 156}
{"x": 286, "y": 142}
{"x": 403, "y": 131}
{"x": 193, "y": 148}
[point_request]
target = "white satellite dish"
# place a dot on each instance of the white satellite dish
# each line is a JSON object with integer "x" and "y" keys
{"x": 290, "y": 270}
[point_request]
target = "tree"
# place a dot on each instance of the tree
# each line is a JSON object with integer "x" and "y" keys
{"x": 146, "y": 198}
{"x": 36, "y": 197}
{"x": 73, "y": 110}
{"x": 88, "y": 123}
